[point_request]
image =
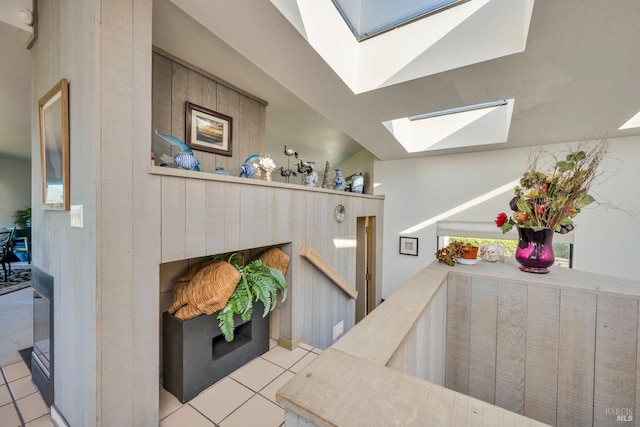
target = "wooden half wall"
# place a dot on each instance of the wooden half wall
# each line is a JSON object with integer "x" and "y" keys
{"x": 204, "y": 214}
{"x": 520, "y": 350}
{"x": 560, "y": 349}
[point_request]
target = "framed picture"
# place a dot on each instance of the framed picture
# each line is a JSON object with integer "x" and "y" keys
{"x": 207, "y": 130}
{"x": 54, "y": 146}
{"x": 409, "y": 246}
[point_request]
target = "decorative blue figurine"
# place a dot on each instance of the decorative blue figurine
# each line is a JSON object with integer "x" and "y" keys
{"x": 185, "y": 159}
{"x": 247, "y": 169}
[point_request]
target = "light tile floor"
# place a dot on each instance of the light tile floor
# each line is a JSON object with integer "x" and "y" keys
{"x": 246, "y": 397}
{"x": 20, "y": 401}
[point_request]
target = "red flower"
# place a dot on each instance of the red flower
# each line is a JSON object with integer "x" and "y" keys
{"x": 501, "y": 219}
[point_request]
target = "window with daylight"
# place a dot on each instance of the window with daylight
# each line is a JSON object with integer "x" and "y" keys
{"x": 478, "y": 233}
{"x": 368, "y": 18}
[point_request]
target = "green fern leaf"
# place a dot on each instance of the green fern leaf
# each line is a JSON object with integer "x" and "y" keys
{"x": 226, "y": 323}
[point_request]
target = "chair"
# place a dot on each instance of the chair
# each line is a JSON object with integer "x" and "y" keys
{"x": 6, "y": 242}
{"x": 22, "y": 242}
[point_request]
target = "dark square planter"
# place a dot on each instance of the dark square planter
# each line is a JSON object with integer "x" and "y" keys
{"x": 196, "y": 355}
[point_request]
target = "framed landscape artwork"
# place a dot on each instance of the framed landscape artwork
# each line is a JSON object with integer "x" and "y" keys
{"x": 54, "y": 146}
{"x": 207, "y": 130}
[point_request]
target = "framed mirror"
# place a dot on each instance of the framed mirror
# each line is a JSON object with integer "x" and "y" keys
{"x": 54, "y": 146}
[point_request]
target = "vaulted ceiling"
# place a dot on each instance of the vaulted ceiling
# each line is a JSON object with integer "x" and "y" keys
{"x": 577, "y": 78}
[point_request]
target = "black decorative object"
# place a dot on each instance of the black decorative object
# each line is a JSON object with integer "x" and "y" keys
{"x": 195, "y": 354}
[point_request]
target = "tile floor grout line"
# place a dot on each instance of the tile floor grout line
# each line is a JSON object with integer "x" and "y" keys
{"x": 13, "y": 398}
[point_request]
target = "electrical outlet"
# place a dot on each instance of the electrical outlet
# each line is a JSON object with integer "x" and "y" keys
{"x": 338, "y": 330}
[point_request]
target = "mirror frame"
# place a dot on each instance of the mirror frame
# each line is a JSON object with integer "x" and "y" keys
{"x": 54, "y": 139}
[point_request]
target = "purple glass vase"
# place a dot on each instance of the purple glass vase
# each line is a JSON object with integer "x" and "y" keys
{"x": 535, "y": 250}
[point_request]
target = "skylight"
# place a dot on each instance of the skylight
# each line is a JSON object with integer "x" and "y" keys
{"x": 634, "y": 122}
{"x": 473, "y": 31}
{"x": 471, "y": 125}
{"x": 368, "y": 18}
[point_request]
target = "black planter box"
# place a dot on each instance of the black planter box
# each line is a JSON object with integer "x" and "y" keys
{"x": 195, "y": 354}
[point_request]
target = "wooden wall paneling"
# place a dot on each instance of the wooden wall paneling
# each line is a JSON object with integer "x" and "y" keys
{"x": 173, "y": 214}
{"x": 482, "y": 342}
{"x": 422, "y": 356}
{"x": 232, "y": 209}
{"x": 215, "y": 217}
{"x": 438, "y": 337}
{"x": 195, "y": 91}
{"x": 233, "y": 110}
{"x": 261, "y": 214}
{"x": 195, "y": 94}
{"x": 196, "y": 225}
{"x": 222, "y": 106}
{"x": 510, "y": 346}
{"x": 161, "y": 106}
{"x": 541, "y": 370}
{"x": 282, "y": 215}
{"x": 179, "y": 95}
{"x": 319, "y": 237}
{"x": 242, "y": 131}
{"x": 209, "y": 100}
{"x": 576, "y": 358}
{"x": 300, "y": 268}
{"x": 250, "y": 215}
{"x": 616, "y": 359}
{"x": 404, "y": 359}
{"x": 257, "y": 129}
{"x": 146, "y": 240}
{"x": 458, "y": 329}
{"x": 115, "y": 300}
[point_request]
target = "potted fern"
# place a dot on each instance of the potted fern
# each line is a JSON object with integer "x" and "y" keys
{"x": 258, "y": 282}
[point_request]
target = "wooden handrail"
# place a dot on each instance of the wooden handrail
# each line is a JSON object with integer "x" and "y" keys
{"x": 325, "y": 268}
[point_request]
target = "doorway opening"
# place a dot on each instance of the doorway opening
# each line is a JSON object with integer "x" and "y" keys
{"x": 365, "y": 266}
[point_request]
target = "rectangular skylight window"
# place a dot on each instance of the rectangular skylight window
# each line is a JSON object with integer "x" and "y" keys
{"x": 459, "y": 110}
{"x": 634, "y": 122}
{"x": 368, "y": 18}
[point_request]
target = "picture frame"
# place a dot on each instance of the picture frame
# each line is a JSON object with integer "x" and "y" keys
{"x": 53, "y": 111}
{"x": 409, "y": 246}
{"x": 208, "y": 130}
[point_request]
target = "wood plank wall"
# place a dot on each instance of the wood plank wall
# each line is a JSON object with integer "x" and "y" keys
{"x": 175, "y": 83}
{"x": 422, "y": 353}
{"x": 202, "y": 217}
{"x": 562, "y": 357}
{"x": 233, "y": 214}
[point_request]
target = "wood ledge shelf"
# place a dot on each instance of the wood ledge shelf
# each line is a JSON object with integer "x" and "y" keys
{"x": 560, "y": 277}
{"x": 183, "y": 173}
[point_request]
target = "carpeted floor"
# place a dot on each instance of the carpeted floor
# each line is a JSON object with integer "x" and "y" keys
{"x": 19, "y": 278}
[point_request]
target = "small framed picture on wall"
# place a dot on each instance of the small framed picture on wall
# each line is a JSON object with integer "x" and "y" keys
{"x": 409, "y": 246}
{"x": 208, "y": 130}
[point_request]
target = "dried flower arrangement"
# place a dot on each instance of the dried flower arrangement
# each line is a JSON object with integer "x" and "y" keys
{"x": 551, "y": 200}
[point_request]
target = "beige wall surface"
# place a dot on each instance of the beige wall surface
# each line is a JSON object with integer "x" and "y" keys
{"x": 102, "y": 314}
{"x": 15, "y": 188}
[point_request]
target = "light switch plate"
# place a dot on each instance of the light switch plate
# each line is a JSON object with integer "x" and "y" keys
{"x": 76, "y": 216}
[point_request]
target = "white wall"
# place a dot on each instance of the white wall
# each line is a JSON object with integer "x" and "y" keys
{"x": 428, "y": 189}
{"x": 15, "y": 188}
{"x": 362, "y": 161}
